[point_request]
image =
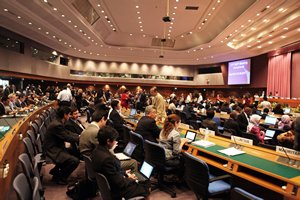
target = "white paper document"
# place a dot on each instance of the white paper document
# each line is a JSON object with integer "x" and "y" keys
{"x": 122, "y": 156}
{"x": 231, "y": 151}
{"x": 203, "y": 143}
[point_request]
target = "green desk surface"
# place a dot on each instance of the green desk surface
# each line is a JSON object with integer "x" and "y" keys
{"x": 260, "y": 163}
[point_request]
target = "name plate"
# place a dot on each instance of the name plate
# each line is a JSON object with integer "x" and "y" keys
{"x": 209, "y": 132}
{"x": 241, "y": 140}
{"x": 290, "y": 152}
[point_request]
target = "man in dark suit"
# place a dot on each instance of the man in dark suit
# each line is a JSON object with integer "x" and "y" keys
{"x": 232, "y": 125}
{"x": 209, "y": 123}
{"x": 116, "y": 118}
{"x": 4, "y": 105}
{"x": 74, "y": 124}
{"x": 122, "y": 184}
{"x": 243, "y": 119}
{"x": 188, "y": 110}
{"x": 147, "y": 127}
{"x": 54, "y": 143}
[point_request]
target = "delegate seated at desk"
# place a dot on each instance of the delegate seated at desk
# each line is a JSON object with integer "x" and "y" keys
{"x": 209, "y": 123}
{"x": 147, "y": 127}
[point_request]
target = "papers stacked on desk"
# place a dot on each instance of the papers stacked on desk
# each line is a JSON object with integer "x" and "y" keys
{"x": 231, "y": 151}
{"x": 203, "y": 143}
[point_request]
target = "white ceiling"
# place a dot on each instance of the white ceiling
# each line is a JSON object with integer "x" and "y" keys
{"x": 220, "y": 30}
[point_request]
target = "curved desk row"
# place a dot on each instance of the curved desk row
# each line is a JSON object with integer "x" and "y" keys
{"x": 11, "y": 146}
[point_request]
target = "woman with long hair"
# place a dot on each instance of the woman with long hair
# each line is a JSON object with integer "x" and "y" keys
{"x": 169, "y": 138}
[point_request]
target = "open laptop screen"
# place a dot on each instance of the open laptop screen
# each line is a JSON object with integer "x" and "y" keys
{"x": 132, "y": 112}
{"x": 146, "y": 169}
{"x": 270, "y": 120}
{"x": 270, "y": 133}
{"x": 190, "y": 135}
{"x": 287, "y": 111}
{"x": 129, "y": 148}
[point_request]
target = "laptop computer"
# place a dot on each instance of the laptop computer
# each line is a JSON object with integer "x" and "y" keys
{"x": 190, "y": 136}
{"x": 287, "y": 111}
{"x": 132, "y": 113}
{"x": 145, "y": 172}
{"x": 127, "y": 152}
{"x": 270, "y": 120}
{"x": 269, "y": 134}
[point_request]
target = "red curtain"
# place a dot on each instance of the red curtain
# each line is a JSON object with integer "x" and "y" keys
{"x": 279, "y": 75}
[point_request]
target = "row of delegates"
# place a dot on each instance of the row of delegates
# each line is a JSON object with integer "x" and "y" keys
{"x": 122, "y": 183}
{"x": 88, "y": 139}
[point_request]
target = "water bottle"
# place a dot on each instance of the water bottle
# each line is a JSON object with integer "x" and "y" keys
{"x": 206, "y": 134}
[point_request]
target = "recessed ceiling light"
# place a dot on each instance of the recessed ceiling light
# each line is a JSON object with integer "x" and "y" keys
{"x": 209, "y": 14}
{"x": 29, "y": 23}
{"x": 259, "y": 47}
{"x": 62, "y": 15}
{"x": 39, "y": 28}
{"x": 249, "y": 20}
{"x": 139, "y": 18}
{"x": 270, "y": 42}
{"x": 80, "y": 30}
{"x": 130, "y": 34}
{"x": 270, "y": 35}
{"x": 182, "y": 35}
{"x": 70, "y": 45}
{"x": 170, "y": 30}
{"x": 55, "y": 9}
{"x": 283, "y": 36}
{"x": 257, "y": 14}
{"x": 19, "y": 17}
{"x": 47, "y": 32}
{"x": 96, "y": 43}
{"x": 156, "y": 36}
{"x": 170, "y": 27}
{"x": 144, "y": 35}
{"x": 66, "y": 43}
{"x": 173, "y": 13}
{"x": 209, "y": 46}
{"x": 105, "y": 17}
{"x": 172, "y": 23}
{"x": 108, "y": 21}
{"x": 242, "y": 26}
{"x": 89, "y": 37}
{"x": 286, "y": 28}
{"x": 236, "y": 31}
{"x": 59, "y": 40}
{"x": 75, "y": 26}
{"x": 268, "y": 7}
{"x": 5, "y": 10}
{"x": 222, "y": 41}
{"x": 102, "y": 11}
{"x": 175, "y": 7}
{"x": 258, "y": 41}
{"x": 218, "y": 1}
{"x": 53, "y": 36}
{"x": 298, "y": 29}
{"x": 142, "y": 30}
{"x": 98, "y": 54}
{"x": 45, "y": 1}
{"x": 91, "y": 53}
{"x": 199, "y": 27}
{"x": 253, "y": 28}
{"x": 140, "y": 22}
{"x": 191, "y": 32}
{"x": 177, "y": 0}
{"x": 111, "y": 25}
{"x": 69, "y": 21}
{"x": 280, "y": 10}
{"x": 98, "y": 5}
{"x": 248, "y": 46}
{"x": 137, "y": 6}
{"x": 138, "y": 12}
{"x": 79, "y": 49}
{"x": 84, "y": 52}
{"x": 213, "y": 8}
{"x": 84, "y": 34}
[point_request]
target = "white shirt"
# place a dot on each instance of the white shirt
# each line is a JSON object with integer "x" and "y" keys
{"x": 64, "y": 95}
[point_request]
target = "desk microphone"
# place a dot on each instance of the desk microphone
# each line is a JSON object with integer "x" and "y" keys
{"x": 237, "y": 146}
{"x": 290, "y": 162}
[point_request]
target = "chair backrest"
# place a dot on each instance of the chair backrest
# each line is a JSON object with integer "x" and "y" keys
{"x": 251, "y": 137}
{"x": 195, "y": 124}
{"x": 42, "y": 131}
{"x": 183, "y": 118}
{"x": 155, "y": 154}
{"x": 36, "y": 195}
{"x": 137, "y": 139}
{"x": 240, "y": 194}
{"x": 88, "y": 116}
{"x": 22, "y": 187}
{"x": 103, "y": 186}
{"x": 32, "y": 137}
{"x": 89, "y": 168}
{"x": 29, "y": 147}
{"x": 35, "y": 128}
{"x": 196, "y": 175}
{"x": 38, "y": 121}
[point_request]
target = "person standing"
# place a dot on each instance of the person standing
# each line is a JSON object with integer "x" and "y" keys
{"x": 159, "y": 103}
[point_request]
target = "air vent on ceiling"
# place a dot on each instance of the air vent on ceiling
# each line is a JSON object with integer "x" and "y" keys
{"x": 86, "y": 9}
{"x": 192, "y": 7}
{"x": 163, "y": 42}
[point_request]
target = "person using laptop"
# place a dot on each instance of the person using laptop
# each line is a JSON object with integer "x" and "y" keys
{"x": 285, "y": 123}
{"x": 209, "y": 122}
{"x": 265, "y": 113}
{"x": 287, "y": 139}
{"x": 254, "y": 128}
{"x": 122, "y": 184}
{"x": 147, "y": 127}
{"x": 278, "y": 110}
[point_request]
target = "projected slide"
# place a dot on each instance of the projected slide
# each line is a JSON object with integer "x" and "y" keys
{"x": 239, "y": 72}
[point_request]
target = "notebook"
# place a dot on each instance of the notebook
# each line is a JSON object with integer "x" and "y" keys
{"x": 270, "y": 120}
{"x": 190, "y": 136}
{"x": 269, "y": 134}
{"x": 132, "y": 113}
{"x": 145, "y": 171}
{"x": 130, "y": 147}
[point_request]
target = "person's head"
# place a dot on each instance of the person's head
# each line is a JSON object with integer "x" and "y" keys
{"x": 107, "y": 137}
{"x": 265, "y": 98}
{"x": 248, "y": 111}
{"x": 63, "y": 112}
{"x": 172, "y": 121}
{"x": 100, "y": 117}
{"x": 266, "y": 110}
{"x": 153, "y": 91}
{"x": 115, "y": 104}
{"x": 5, "y": 100}
{"x": 150, "y": 111}
{"x": 47, "y": 94}
{"x": 278, "y": 106}
{"x": 285, "y": 119}
{"x": 255, "y": 119}
{"x": 21, "y": 97}
{"x": 233, "y": 115}
{"x": 210, "y": 113}
{"x": 74, "y": 113}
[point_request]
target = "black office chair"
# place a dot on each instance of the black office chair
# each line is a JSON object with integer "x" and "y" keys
{"x": 138, "y": 153}
{"x": 104, "y": 188}
{"x": 251, "y": 137}
{"x": 240, "y": 194}
{"x": 196, "y": 124}
{"x": 36, "y": 195}
{"x": 88, "y": 116}
{"x": 201, "y": 182}
{"x": 38, "y": 158}
{"x": 22, "y": 187}
{"x": 155, "y": 154}
{"x": 91, "y": 174}
{"x": 184, "y": 118}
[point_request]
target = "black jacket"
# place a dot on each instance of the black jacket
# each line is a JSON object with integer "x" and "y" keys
{"x": 117, "y": 120}
{"x": 242, "y": 121}
{"x": 73, "y": 127}
{"x": 147, "y": 128}
{"x": 231, "y": 124}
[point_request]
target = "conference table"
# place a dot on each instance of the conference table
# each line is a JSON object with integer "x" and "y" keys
{"x": 11, "y": 146}
{"x": 264, "y": 167}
